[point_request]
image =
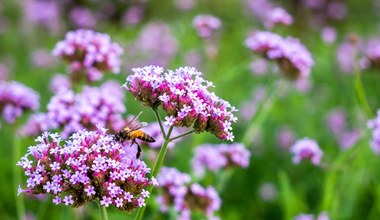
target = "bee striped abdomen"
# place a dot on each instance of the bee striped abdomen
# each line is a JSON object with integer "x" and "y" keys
{"x": 142, "y": 136}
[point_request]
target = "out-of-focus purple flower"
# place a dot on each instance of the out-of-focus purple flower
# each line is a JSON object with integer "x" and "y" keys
{"x": 185, "y": 196}
{"x": 206, "y": 25}
{"x": 337, "y": 10}
{"x": 278, "y": 16}
{"x": 216, "y": 157}
{"x": 155, "y": 45}
{"x": 336, "y": 121}
{"x": 374, "y": 125}
{"x": 15, "y": 98}
{"x": 183, "y": 94}
{"x": 184, "y": 4}
{"x": 44, "y": 13}
{"x": 60, "y": 83}
{"x": 291, "y": 56}
{"x": 285, "y": 137}
{"x": 133, "y": 15}
{"x": 347, "y": 53}
{"x": 89, "y": 53}
{"x": 86, "y": 167}
{"x": 267, "y": 192}
{"x": 372, "y": 53}
{"x": 72, "y": 112}
{"x": 249, "y": 107}
{"x": 259, "y": 66}
{"x": 348, "y": 138}
{"x": 313, "y": 4}
{"x": 321, "y": 216}
{"x": 42, "y": 58}
{"x": 306, "y": 149}
{"x": 328, "y": 34}
{"x": 82, "y": 17}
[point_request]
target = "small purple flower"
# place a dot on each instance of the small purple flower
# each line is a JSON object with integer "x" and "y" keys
{"x": 321, "y": 216}
{"x": 82, "y": 17}
{"x": 328, "y": 34}
{"x": 216, "y": 157}
{"x": 374, "y": 125}
{"x": 371, "y": 53}
{"x": 206, "y": 25}
{"x": 306, "y": 149}
{"x": 278, "y": 16}
{"x": 347, "y": 53}
{"x": 185, "y": 87}
{"x": 133, "y": 15}
{"x": 185, "y": 196}
{"x": 89, "y": 52}
{"x": 73, "y": 112}
{"x": 44, "y": 13}
{"x": 15, "y": 98}
{"x": 291, "y": 56}
{"x": 86, "y": 161}
{"x": 60, "y": 83}
{"x": 285, "y": 137}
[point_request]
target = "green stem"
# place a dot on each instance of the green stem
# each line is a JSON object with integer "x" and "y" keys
{"x": 181, "y": 135}
{"x": 360, "y": 93}
{"x": 157, "y": 167}
{"x": 17, "y": 177}
{"x": 261, "y": 115}
{"x": 160, "y": 123}
{"x": 103, "y": 212}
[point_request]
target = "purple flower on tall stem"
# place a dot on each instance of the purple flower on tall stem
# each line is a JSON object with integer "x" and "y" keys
{"x": 15, "y": 98}
{"x": 86, "y": 167}
{"x": 291, "y": 56}
{"x": 89, "y": 53}
{"x": 185, "y": 196}
{"x": 306, "y": 149}
{"x": 183, "y": 94}
{"x": 278, "y": 16}
{"x": 206, "y": 25}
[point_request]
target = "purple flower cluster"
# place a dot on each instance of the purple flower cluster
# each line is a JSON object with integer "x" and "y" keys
{"x": 291, "y": 56}
{"x": 374, "y": 125}
{"x": 186, "y": 196}
{"x": 371, "y": 53}
{"x": 43, "y": 13}
{"x": 221, "y": 156}
{"x": 206, "y": 25}
{"x": 269, "y": 14}
{"x": 183, "y": 94}
{"x": 87, "y": 167}
{"x": 15, "y": 98}
{"x": 89, "y": 52}
{"x": 72, "y": 112}
{"x": 348, "y": 52}
{"x": 306, "y": 149}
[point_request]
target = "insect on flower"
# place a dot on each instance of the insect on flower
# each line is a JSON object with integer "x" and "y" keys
{"x": 132, "y": 131}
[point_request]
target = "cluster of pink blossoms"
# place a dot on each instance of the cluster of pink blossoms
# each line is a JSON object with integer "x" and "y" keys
{"x": 306, "y": 149}
{"x": 89, "y": 52}
{"x": 374, "y": 125}
{"x": 221, "y": 156}
{"x": 206, "y": 25}
{"x": 88, "y": 166}
{"x": 183, "y": 94}
{"x": 15, "y": 98}
{"x": 72, "y": 112}
{"x": 291, "y": 56}
{"x": 186, "y": 196}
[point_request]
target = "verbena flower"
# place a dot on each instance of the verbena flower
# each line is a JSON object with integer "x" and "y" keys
{"x": 183, "y": 94}
{"x": 15, "y": 98}
{"x": 185, "y": 196}
{"x": 278, "y": 16}
{"x": 372, "y": 54}
{"x": 221, "y": 156}
{"x": 72, "y": 112}
{"x": 285, "y": 137}
{"x": 89, "y": 52}
{"x": 82, "y": 17}
{"x": 88, "y": 166}
{"x": 46, "y": 14}
{"x": 306, "y": 149}
{"x": 347, "y": 53}
{"x": 291, "y": 56}
{"x": 374, "y": 125}
{"x": 206, "y": 25}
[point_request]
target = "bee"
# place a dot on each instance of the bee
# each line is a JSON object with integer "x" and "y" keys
{"x": 132, "y": 131}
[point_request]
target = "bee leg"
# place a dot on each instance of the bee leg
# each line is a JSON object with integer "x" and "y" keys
{"x": 138, "y": 150}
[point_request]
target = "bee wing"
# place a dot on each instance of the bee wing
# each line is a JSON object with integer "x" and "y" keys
{"x": 134, "y": 125}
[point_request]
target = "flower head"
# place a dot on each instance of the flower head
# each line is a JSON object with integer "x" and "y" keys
{"x": 73, "y": 112}
{"x": 15, "y": 98}
{"x": 306, "y": 149}
{"x": 216, "y": 157}
{"x": 291, "y": 56}
{"x": 88, "y": 166}
{"x": 183, "y": 94}
{"x": 206, "y": 25}
{"x": 89, "y": 52}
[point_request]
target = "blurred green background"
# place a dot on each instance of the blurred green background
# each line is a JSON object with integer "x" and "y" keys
{"x": 346, "y": 185}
